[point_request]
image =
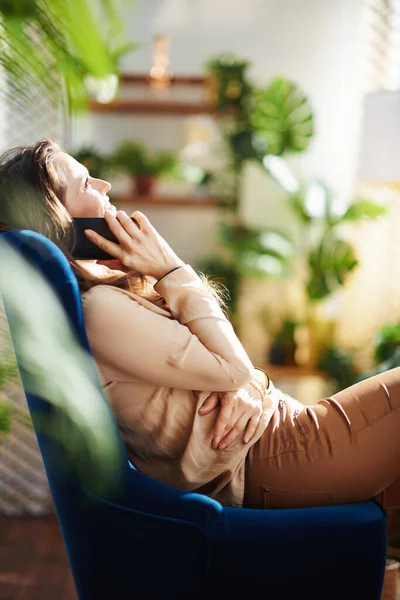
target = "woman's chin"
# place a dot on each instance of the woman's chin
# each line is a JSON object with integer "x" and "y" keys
{"x": 112, "y": 209}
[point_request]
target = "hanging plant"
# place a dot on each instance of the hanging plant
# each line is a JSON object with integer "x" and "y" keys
{"x": 283, "y": 115}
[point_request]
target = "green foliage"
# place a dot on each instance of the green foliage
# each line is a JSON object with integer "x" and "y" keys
{"x": 329, "y": 264}
{"x": 53, "y": 45}
{"x": 286, "y": 332}
{"x": 387, "y": 341}
{"x": 95, "y": 162}
{"x": 330, "y": 259}
{"x": 5, "y": 418}
{"x": 8, "y": 374}
{"x": 282, "y": 350}
{"x": 313, "y": 203}
{"x": 363, "y": 209}
{"x": 339, "y": 366}
{"x": 276, "y": 120}
{"x": 229, "y": 80}
{"x": 8, "y": 370}
{"x": 283, "y": 115}
{"x": 257, "y": 252}
{"x": 133, "y": 158}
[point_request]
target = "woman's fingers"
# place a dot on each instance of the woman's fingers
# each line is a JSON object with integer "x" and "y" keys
{"x": 235, "y": 432}
{"x": 251, "y": 428}
{"x": 117, "y": 226}
{"x": 209, "y": 404}
{"x": 103, "y": 244}
{"x": 142, "y": 221}
{"x": 222, "y": 424}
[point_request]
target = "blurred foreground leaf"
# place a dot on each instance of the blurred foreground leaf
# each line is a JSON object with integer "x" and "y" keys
{"x": 55, "y": 367}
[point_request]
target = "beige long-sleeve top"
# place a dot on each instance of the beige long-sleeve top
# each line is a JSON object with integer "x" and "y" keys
{"x": 158, "y": 366}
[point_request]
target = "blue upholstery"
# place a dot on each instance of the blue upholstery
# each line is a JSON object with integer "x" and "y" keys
{"x": 155, "y": 542}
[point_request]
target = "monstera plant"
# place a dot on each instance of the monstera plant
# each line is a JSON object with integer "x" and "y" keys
{"x": 282, "y": 116}
{"x": 328, "y": 256}
{"x": 265, "y": 125}
{"x": 255, "y": 123}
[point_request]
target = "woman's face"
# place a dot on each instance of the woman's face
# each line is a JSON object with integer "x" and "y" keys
{"x": 85, "y": 196}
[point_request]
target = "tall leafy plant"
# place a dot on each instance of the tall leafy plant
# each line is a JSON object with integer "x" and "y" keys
{"x": 265, "y": 125}
{"x": 255, "y": 123}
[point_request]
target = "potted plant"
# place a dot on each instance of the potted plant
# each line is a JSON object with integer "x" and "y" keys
{"x": 283, "y": 347}
{"x": 133, "y": 158}
{"x": 95, "y": 162}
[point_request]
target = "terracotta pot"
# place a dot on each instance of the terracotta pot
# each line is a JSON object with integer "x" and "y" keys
{"x": 390, "y": 589}
{"x": 144, "y": 185}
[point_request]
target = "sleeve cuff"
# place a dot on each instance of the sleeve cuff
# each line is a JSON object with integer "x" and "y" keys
{"x": 181, "y": 276}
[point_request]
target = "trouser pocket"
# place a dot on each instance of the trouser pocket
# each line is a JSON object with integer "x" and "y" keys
{"x": 278, "y": 498}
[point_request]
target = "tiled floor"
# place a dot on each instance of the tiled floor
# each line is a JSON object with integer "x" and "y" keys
{"x": 33, "y": 560}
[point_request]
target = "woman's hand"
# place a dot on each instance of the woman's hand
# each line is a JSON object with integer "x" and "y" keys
{"x": 141, "y": 247}
{"x": 240, "y": 413}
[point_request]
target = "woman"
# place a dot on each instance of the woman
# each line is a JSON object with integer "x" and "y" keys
{"x": 192, "y": 409}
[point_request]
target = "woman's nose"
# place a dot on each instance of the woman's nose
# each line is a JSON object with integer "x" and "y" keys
{"x": 103, "y": 186}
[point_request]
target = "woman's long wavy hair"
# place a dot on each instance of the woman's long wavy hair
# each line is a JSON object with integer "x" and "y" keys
{"x": 32, "y": 195}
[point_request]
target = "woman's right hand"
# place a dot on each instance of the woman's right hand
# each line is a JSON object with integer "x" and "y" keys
{"x": 141, "y": 247}
{"x": 239, "y": 415}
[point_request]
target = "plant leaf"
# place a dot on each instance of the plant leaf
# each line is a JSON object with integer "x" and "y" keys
{"x": 283, "y": 115}
{"x": 363, "y": 209}
{"x": 329, "y": 265}
{"x": 53, "y": 45}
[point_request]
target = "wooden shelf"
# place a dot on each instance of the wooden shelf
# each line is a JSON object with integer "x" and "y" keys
{"x": 153, "y": 107}
{"x": 143, "y": 79}
{"x": 283, "y": 371}
{"x": 167, "y": 201}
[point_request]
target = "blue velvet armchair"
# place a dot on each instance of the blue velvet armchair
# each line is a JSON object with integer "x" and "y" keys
{"x": 155, "y": 542}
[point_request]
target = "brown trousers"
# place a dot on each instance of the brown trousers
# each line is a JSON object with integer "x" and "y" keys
{"x": 344, "y": 449}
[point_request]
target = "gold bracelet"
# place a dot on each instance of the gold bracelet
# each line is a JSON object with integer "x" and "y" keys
{"x": 267, "y": 380}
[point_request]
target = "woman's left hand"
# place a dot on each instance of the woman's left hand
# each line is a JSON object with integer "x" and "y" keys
{"x": 240, "y": 413}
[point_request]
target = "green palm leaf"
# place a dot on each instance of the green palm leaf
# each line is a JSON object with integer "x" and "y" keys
{"x": 54, "y": 45}
{"x": 283, "y": 115}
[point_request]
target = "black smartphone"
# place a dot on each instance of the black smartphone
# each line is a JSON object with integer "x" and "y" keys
{"x": 82, "y": 248}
